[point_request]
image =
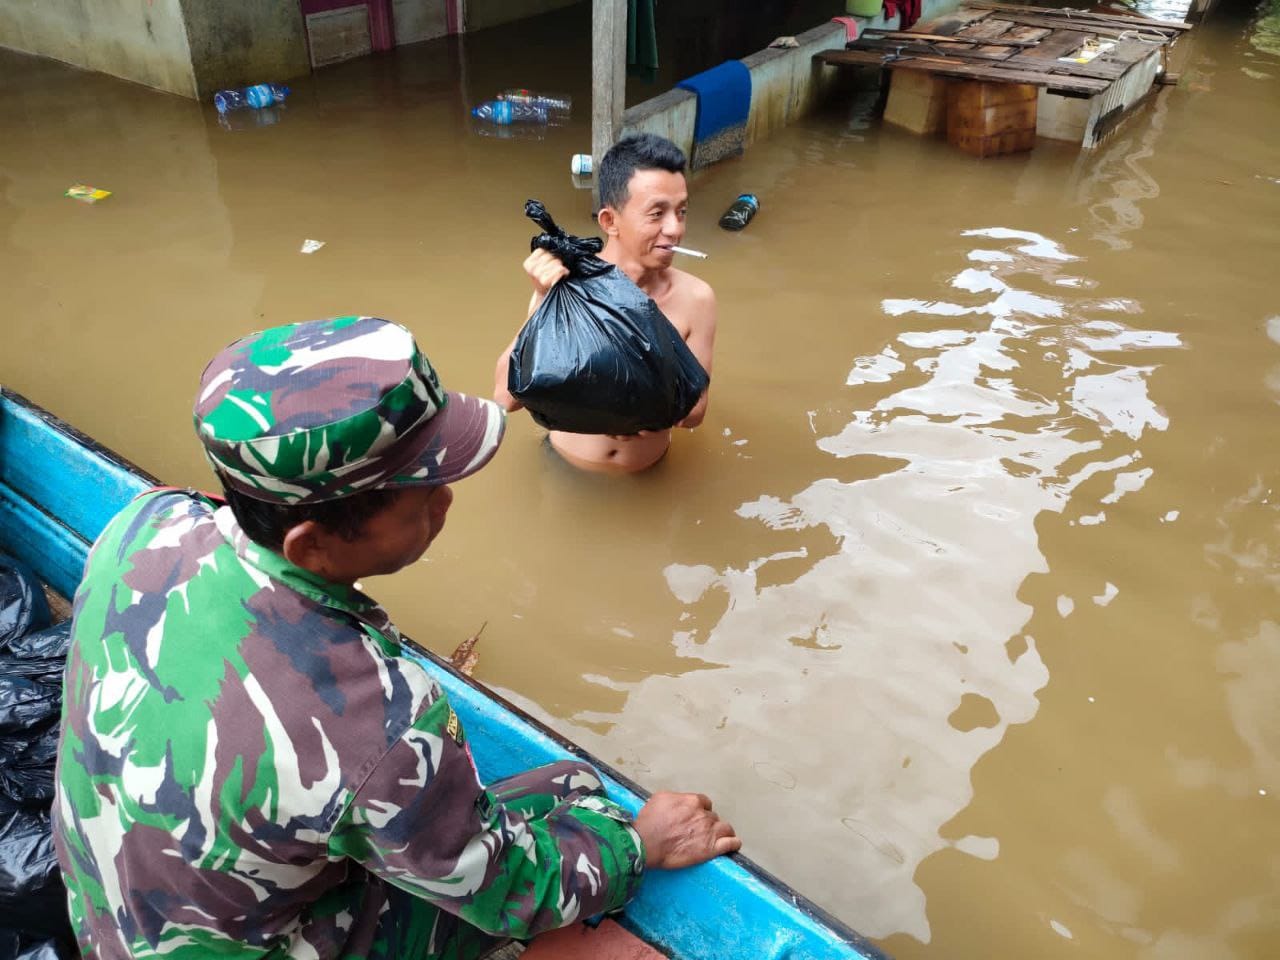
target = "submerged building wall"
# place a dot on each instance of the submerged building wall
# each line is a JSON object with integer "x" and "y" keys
{"x": 187, "y": 47}
{"x": 196, "y": 47}
{"x": 786, "y": 84}
{"x": 146, "y": 43}
{"x": 237, "y": 42}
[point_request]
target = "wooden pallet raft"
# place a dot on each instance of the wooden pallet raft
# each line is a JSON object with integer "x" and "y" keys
{"x": 1058, "y": 53}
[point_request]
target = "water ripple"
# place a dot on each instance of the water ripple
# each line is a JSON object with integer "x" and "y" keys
{"x": 905, "y": 650}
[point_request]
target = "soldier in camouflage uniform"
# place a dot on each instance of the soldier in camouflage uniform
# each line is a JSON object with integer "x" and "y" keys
{"x": 249, "y": 766}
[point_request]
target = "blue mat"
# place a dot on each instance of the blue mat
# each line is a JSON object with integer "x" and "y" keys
{"x": 724, "y": 101}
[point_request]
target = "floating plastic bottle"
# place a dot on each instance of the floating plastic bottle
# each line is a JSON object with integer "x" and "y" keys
{"x": 258, "y": 96}
{"x": 740, "y": 213}
{"x": 509, "y": 131}
{"x": 580, "y": 165}
{"x": 504, "y": 112}
{"x": 248, "y": 119}
{"x": 558, "y": 106}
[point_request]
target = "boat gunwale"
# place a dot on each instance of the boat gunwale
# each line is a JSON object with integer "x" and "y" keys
{"x": 53, "y": 421}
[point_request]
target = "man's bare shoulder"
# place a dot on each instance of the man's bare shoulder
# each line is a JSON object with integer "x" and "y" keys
{"x": 689, "y": 303}
{"x": 694, "y": 301}
{"x": 695, "y": 288}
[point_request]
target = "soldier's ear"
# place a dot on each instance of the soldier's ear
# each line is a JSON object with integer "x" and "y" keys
{"x": 304, "y": 546}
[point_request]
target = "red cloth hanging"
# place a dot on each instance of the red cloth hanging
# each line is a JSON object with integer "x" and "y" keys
{"x": 850, "y": 25}
{"x": 910, "y": 10}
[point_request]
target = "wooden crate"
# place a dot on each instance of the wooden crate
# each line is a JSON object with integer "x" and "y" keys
{"x": 988, "y": 119}
{"x": 917, "y": 102}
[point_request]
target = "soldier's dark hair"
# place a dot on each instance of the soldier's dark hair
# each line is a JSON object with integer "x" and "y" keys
{"x": 640, "y": 151}
{"x": 267, "y": 523}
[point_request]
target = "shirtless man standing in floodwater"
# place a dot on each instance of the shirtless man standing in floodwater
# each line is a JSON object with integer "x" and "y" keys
{"x": 643, "y": 199}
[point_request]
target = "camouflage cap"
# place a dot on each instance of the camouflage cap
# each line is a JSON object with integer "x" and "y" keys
{"x": 321, "y": 410}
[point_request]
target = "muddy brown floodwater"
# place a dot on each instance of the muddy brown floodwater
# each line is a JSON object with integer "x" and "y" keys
{"x": 963, "y": 603}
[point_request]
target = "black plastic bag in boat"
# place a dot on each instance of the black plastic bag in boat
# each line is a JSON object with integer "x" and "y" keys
{"x": 598, "y": 356}
{"x": 30, "y": 706}
{"x": 48, "y": 950}
{"x": 33, "y": 904}
{"x": 22, "y": 948}
{"x": 33, "y": 901}
{"x": 22, "y": 603}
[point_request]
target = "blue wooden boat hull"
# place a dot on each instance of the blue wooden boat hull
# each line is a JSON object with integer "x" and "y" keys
{"x": 58, "y": 489}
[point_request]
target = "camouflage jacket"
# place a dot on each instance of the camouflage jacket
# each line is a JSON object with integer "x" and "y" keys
{"x": 244, "y": 746}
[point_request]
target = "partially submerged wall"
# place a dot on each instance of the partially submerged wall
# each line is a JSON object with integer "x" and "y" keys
{"x": 146, "y": 43}
{"x": 671, "y": 115}
{"x": 786, "y": 84}
{"x": 187, "y": 47}
{"x": 789, "y": 83}
{"x": 196, "y": 47}
{"x": 238, "y": 42}
{"x": 418, "y": 20}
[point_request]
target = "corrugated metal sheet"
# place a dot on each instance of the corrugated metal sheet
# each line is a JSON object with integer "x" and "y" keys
{"x": 1109, "y": 107}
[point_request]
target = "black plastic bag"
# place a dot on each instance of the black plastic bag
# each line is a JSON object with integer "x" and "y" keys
{"x": 598, "y": 356}
{"x": 33, "y": 901}
{"x": 30, "y": 707}
{"x": 47, "y": 950}
{"x": 22, "y": 603}
{"x": 15, "y": 947}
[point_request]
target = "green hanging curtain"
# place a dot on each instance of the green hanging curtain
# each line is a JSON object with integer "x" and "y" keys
{"x": 642, "y": 40}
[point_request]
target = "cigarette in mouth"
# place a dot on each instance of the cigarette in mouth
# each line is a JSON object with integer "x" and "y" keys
{"x": 688, "y": 252}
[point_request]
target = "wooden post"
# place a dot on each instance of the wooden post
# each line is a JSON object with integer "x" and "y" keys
{"x": 608, "y": 79}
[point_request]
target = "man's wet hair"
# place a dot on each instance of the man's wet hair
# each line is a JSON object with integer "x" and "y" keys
{"x": 266, "y": 523}
{"x": 639, "y": 151}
